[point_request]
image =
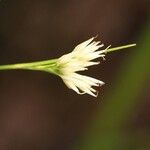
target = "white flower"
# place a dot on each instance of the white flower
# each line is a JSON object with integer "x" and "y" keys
{"x": 78, "y": 60}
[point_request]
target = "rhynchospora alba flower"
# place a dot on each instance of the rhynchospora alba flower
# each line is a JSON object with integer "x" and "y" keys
{"x": 68, "y": 66}
{"x": 79, "y": 60}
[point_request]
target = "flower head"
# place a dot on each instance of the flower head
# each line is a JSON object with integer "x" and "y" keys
{"x": 79, "y": 60}
{"x": 68, "y": 66}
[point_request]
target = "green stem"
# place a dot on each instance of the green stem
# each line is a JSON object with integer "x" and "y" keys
{"x": 39, "y": 65}
{"x": 120, "y": 47}
{"x": 50, "y": 64}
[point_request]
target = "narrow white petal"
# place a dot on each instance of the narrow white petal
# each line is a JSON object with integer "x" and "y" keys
{"x": 85, "y": 88}
{"x": 92, "y": 94}
{"x": 90, "y": 63}
{"x": 84, "y": 85}
{"x": 93, "y": 80}
{"x": 83, "y": 44}
{"x": 88, "y": 80}
{"x": 93, "y": 56}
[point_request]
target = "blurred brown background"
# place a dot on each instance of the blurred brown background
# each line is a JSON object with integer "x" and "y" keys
{"x": 37, "y": 111}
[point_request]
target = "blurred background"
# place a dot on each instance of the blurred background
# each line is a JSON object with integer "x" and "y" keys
{"x": 38, "y": 112}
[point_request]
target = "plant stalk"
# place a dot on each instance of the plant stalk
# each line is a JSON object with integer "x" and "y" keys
{"x": 50, "y": 64}
{"x": 120, "y": 47}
